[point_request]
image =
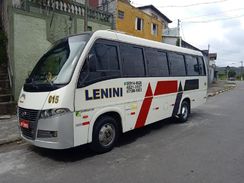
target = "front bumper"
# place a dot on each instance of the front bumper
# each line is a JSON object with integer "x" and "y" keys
{"x": 61, "y": 126}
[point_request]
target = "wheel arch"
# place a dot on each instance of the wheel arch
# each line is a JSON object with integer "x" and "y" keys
{"x": 116, "y": 113}
{"x": 187, "y": 99}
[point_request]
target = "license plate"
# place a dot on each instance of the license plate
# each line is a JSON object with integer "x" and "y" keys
{"x": 24, "y": 123}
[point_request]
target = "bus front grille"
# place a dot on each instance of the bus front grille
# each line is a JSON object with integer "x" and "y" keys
{"x": 31, "y": 116}
{"x": 28, "y": 114}
{"x": 28, "y": 133}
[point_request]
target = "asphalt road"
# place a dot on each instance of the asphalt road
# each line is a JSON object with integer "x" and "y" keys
{"x": 209, "y": 148}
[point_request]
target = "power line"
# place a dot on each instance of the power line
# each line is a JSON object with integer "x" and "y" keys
{"x": 215, "y": 20}
{"x": 187, "y": 5}
{"x": 218, "y": 13}
{"x": 226, "y": 59}
{"x": 193, "y": 4}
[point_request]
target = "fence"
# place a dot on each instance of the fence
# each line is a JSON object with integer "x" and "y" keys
{"x": 67, "y": 6}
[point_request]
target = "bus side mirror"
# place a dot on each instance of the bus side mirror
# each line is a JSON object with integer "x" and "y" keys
{"x": 92, "y": 62}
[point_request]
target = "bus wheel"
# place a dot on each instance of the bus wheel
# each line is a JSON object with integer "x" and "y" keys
{"x": 184, "y": 112}
{"x": 105, "y": 134}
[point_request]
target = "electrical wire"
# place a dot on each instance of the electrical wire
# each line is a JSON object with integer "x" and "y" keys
{"x": 187, "y": 5}
{"x": 215, "y": 20}
{"x": 218, "y": 13}
{"x": 193, "y": 4}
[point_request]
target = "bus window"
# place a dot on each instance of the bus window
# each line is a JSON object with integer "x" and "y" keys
{"x": 192, "y": 66}
{"x": 102, "y": 63}
{"x": 132, "y": 61}
{"x": 202, "y": 70}
{"x": 176, "y": 64}
{"x": 156, "y": 63}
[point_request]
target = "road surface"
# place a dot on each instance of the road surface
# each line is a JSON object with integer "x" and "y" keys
{"x": 209, "y": 148}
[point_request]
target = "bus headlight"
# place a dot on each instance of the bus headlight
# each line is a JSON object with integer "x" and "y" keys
{"x": 52, "y": 112}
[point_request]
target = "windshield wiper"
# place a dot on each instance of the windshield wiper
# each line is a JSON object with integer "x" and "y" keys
{"x": 50, "y": 82}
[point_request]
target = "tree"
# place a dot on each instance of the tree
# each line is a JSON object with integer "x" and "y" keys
{"x": 232, "y": 73}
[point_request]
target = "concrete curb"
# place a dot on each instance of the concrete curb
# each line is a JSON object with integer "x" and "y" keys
{"x": 9, "y": 141}
{"x": 220, "y": 91}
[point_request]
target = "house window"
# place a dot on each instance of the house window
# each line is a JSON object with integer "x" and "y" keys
{"x": 154, "y": 29}
{"x": 121, "y": 14}
{"x": 139, "y": 24}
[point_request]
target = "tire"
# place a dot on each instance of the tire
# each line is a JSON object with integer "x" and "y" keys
{"x": 105, "y": 134}
{"x": 184, "y": 112}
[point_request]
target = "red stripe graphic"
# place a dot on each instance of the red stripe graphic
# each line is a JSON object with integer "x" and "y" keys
{"x": 166, "y": 87}
{"x": 86, "y": 123}
{"x": 163, "y": 87}
{"x": 144, "y": 108}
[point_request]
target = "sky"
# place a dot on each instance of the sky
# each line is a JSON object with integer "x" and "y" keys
{"x": 217, "y": 23}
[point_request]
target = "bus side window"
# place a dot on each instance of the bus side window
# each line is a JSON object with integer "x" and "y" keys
{"x": 156, "y": 63}
{"x": 102, "y": 63}
{"x": 192, "y": 65}
{"x": 176, "y": 64}
{"x": 202, "y": 69}
{"x": 83, "y": 74}
{"x": 132, "y": 61}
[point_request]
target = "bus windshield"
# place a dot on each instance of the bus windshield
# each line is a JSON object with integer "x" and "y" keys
{"x": 57, "y": 65}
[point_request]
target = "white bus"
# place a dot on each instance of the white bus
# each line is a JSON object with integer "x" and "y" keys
{"x": 91, "y": 87}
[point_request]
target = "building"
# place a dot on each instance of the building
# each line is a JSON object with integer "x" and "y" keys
{"x": 154, "y": 12}
{"x": 209, "y": 57}
{"x": 138, "y": 22}
{"x": 172, "y": 36}
{"x": 32, "y": 26}
{"x": 212, "y": 72}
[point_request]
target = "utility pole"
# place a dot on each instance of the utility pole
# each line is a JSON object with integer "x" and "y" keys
{"x": 241, "y": 70}
{"x": 85, "y": 16}
{"x": 178, "y": 26}
{"x": 227, "y": 72}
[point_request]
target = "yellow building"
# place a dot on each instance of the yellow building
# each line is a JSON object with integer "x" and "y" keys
{"x": 136, "y": 22}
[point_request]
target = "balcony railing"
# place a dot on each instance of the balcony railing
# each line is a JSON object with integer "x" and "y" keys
{"x": 66, "y": 6}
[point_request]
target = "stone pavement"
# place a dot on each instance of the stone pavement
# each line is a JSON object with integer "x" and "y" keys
{"x": 9, "y": 131}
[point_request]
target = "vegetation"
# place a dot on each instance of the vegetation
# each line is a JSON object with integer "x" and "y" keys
{"x": 232, "y": 73}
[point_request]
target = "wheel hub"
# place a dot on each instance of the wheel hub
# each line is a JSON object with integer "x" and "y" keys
{"x": 184, "y": 112}
{"x": 106, "y": 134}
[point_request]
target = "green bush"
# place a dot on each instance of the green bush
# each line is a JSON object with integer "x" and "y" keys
{"x": 3, "y": 46}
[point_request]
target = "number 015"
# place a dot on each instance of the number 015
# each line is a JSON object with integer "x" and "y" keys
{"x": 53, "y": 99}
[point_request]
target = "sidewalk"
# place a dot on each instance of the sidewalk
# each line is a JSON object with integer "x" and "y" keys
{"x": 220, "y": 87}
{"x": 9, "y": 131}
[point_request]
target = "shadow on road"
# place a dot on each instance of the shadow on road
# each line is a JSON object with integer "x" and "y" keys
{"x": 83, "y": 152}
{"x": 133, "y": 135}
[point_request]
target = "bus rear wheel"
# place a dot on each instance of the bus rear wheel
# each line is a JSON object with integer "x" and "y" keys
{"x": 184, "y": 112}
{"x": 105, "y": 134}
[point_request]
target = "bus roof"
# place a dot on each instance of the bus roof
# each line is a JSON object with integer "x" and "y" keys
{"x": 122, "y": 37}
